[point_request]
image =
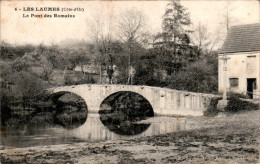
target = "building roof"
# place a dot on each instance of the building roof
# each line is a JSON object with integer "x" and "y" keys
{"x": 92, "y": 69}
{"x": 242, "y": 38}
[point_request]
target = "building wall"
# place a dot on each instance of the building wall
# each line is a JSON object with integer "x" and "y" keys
{"x": 259, "y": 10}
{"x": 241, "y": 66}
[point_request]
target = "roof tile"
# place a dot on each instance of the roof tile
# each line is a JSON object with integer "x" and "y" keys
{"x": 242, "y": 38}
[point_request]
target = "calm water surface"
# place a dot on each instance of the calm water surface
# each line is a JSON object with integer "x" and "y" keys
{"x": 92, "y": 130}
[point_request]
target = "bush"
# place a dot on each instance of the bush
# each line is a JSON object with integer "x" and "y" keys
{"x": 4, "y": 109}
{"x": 198, "y": 76}
{"x": 212, "y": 108}
{"x": 235, "y": 104}
{"x": 78, "y": 79}
{"x": 238, "y": 95}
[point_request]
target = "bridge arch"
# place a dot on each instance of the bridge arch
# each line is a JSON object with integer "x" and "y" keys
{"x": 71, "y": 111}
{"x": 134, "y": 96}
{"x": 56, "y": 95}
{"x": 120, "y": 112}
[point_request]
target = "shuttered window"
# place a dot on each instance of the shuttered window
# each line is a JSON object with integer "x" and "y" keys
{"x": 251, "y": 62}
{"x": 233, "y": 82}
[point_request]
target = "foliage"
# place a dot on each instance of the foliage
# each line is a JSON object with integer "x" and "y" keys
{"x": 200, "y": 38}
{"x": 238, "y": 95}
{"x": 26, "y": 70}
{"x": 28, "y": 86}
{"x": 68, "y": 57}
{"x": 11, "y": 52}
{"x": 4, "y": 109}
{"x": 174, "y": 40}
{"x": 145, "y": 73}
{"x": 76, "y": 80}
{"x": 199, "y": 76}
{"x": 131, "y": 27}
{"x": 235, "y": 104}
{"x": 27, "y": 74}
{"x": 212, "y": 108}
{"x": 174, "y": 19}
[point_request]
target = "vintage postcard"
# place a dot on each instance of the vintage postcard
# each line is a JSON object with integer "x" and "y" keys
{"x": 114, "y": 81}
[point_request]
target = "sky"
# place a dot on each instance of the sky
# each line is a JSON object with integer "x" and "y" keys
{"x": 17, "y": 29}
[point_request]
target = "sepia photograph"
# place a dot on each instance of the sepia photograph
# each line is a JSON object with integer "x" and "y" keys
{"x": 129, "y": 82}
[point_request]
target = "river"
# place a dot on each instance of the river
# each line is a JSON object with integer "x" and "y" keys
{"x": 93, "y": 130}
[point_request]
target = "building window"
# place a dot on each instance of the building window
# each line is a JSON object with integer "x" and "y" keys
{"x": 233, "y": 82}
{"x": 251, "y": 62}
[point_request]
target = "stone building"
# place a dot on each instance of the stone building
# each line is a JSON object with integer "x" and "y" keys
{"x": 89, "y": 69}
{"x": 240, "y": 71}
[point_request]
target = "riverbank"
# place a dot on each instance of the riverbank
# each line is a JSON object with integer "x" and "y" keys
{"x": 222, "y": 139}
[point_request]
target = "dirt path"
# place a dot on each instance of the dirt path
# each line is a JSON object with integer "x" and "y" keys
{"x": 223, "y": 139}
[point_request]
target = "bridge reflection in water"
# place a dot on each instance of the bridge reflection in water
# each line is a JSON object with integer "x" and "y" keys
{"x": 95, "y": 130}
{"x": 92, "y": 130}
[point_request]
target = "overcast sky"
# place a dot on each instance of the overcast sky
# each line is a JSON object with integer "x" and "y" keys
{"x": 19, "y": 30}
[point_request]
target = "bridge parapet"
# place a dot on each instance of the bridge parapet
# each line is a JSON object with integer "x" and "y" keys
{"x": 164, "y": 101}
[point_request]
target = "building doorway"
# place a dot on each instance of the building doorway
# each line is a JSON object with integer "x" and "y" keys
{"x": 251, "y": 86}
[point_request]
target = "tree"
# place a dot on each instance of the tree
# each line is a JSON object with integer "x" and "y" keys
{"x": 101, "y": 33}
{"x": 131, "y": 27}
{"x": 215, "y": 42}
{"x": 28, "y": 86}
{"x": 36, "y": 63}
{"x": 200, "y": 38}
{"x": 200, "y": 76}
{"x": 11, "y": 52}
{"x": 175, "y": 22}
{"x": 226, "y": 18}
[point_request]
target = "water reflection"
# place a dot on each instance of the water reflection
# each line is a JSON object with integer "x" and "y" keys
{"x": 13, "y": 137}
{"x": 120, "y": 111}
{"x": 71, "y": 110}
{"x": 119, "y": 123}
{"x": 91, "y": 131}
{"x": 94, "y": 129}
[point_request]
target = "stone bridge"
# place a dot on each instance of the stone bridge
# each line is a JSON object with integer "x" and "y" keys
{"x": 164, "y": 101}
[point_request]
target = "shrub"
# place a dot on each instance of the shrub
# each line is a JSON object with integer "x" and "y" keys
{"x": 235, "y": 104}
{"x": 78, "y": 79}
{"x": 238, "y": 95}
{"x": 199, "y": 76}
{"x": 212, "y": 108}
